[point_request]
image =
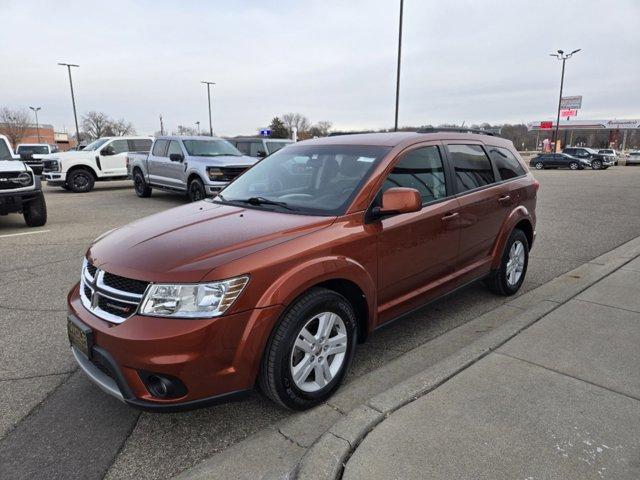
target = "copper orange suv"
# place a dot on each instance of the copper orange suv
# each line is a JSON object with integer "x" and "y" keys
{"x": 275, "y": 281}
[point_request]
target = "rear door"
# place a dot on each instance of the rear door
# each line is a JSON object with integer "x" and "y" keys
{"x": 482, "y": 200}
{"x": 418, "y": 250}
{"x": 156, "y": 160}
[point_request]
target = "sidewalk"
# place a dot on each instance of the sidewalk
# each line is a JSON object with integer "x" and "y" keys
{"x": 559, "y": 400}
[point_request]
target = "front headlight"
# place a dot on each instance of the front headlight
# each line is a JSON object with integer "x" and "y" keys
{"x": 203, "y": 300}
{"x": 215, "y": 173}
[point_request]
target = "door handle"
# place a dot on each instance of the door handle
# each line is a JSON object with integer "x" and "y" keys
{"x": 450, "y": 216}
{"x": 504, "y": 198}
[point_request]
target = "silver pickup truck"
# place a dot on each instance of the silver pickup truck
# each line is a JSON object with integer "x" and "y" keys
{"x": 197, "y": 166}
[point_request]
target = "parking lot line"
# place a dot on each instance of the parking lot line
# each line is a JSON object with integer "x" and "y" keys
{"x": 23, "y": 233}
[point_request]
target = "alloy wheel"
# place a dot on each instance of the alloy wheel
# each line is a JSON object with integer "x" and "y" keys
{"x": 515, "y": 263}
{"x": 319, "y": 352}
{"x": 539, "y": 166}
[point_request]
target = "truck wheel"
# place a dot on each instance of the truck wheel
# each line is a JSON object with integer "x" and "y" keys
{"x": 196, "y": 190}
{"x": 80, "y": 181}
{"x": 310, "y": 350}
{"x": 140, "y": 185}
{"x": 596, "y": 165}
{"x": 508, "y": 278}
{"x": 35, "y": 212}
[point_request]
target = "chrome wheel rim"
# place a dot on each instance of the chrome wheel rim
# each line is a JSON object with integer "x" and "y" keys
{"x": 539, "y": 166}
{"x": 319, "y": 352}
{"x": 515, "y": 263}
{"x": 573, "y": 166}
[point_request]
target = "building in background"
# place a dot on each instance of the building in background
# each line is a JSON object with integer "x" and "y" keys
{"x": 47, "y": 135}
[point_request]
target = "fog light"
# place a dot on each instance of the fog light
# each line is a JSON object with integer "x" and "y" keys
{"x": 163, "y": 386}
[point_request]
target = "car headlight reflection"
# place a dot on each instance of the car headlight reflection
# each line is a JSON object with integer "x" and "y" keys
{"x": 202, "y": 300}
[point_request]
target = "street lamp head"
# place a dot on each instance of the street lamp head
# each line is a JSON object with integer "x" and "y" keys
{"x": 68, "y": 65}
{"x": 575, "y": 51}
{"x": 560, "y": 52}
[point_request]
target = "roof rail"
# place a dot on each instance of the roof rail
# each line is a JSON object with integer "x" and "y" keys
{"x": 457, "y": 129}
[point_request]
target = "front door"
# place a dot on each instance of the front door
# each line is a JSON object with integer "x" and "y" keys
{"x": 114, "y": 163}
{"x": 418, "y": 250}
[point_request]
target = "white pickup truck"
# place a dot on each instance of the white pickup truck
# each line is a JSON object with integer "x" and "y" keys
{"x": 103, "y": 159}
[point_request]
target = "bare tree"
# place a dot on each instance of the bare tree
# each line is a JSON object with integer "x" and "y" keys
{"x": 182, "y": 130}
{"x": 296, "y": 120}
{"x": 14, "y": 124}
{"x": 95, "y": 125}
{"x": 320, "y": 129}
{"x": 120, "y": 127}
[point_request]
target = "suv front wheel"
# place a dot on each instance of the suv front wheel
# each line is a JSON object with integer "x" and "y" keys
{"x": 508, "y": 278}
{"x": 35, "y": 212}
{"x": 310, "y": 350}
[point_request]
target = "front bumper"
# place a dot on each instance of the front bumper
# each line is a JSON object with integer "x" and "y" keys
{"x": 213, "y": 188}
{"x": 13, "y": 202}
{"x": 216, "y": 359}
{"x": 55, "y": 179}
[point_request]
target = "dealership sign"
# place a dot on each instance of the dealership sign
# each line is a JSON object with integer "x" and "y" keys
{"x": 546, "y": 125}
{"x": 568, "y": 112}
{"x": 571, "y": 102}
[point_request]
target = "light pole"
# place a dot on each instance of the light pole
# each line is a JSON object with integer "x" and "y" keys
{"x": 73, "y": 98}
{"x": 208, "y": 84}
{"x": 198, "y": 126}
{"x": 560, "y": 56}
{"x": 395, "y": 125}
{"x": 35, "y": 111}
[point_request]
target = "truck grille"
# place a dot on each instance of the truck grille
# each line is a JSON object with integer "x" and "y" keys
{"x": 108, "y": 296}
{"x": 13, "y": 180}
{"x": 230, "y": 173}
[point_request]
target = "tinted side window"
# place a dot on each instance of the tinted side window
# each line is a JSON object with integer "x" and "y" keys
{"x": 159, "y": 148}
{"x": 507, "y": 164}
{"x": 256, "y": 147}
{"x": 140, "y": 145}
{"x": 174, "y": 147}
{"x": 472, "y": 166}
{"x": 5, "y": 153}
{"x": 422, "y": 170}
{"x": 244, "y": 147}
{"x": 119, "y": 146}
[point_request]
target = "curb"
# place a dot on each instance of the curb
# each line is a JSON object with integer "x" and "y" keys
{"x": 326, "y": 458}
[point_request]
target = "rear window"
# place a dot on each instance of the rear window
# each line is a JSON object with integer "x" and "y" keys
{"x": 140, "y": 145}
{"x": 507, "y": 164}
{"x": 471, "y": 165}
{"x": 5, "y": 153}
{"x": 33, "y": 149}
{"x": 159, "y": 148}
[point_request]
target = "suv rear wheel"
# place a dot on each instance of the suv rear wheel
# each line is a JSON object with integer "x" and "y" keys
{"x": 35, "y": 212}
{"x": 80, "y": 180}
{"x": 140, "y": 185}
{"x": 196, "y": 190}
{"x": 596, "y": 165}
{"x": 508, "y": 278}
{"x": 310, "y": 350}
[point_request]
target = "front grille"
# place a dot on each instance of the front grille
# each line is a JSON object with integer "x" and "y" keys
{"x": 125, "y": 284}
{"x": 13, "y": 180}
{"x": 108, "y": 296}
{"x": 230, "y": 173}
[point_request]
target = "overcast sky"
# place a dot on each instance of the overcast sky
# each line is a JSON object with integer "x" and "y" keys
{"x": 330, "y": 60}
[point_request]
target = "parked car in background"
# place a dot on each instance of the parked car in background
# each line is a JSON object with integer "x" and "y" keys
{"x": 32, "y": 154}
{"x": 275, "y": 281}
{"x": 633, "y": 157}
{"x": 101, "y": 160}
{"x": 610, "y": 154}
{"x": 558, "y": 160}
{"x": 20, "y": 189}
{"x": 596, "y": 160}
{"x": 259, "y": 147}
{"x": 198, "y": 166}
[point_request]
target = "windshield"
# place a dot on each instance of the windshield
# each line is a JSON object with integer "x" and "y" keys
{"x": 96, "y": 144}
{"x": 316, "y": 180}
{"x": 35, "y": 149}
{"x": 210, "y": 148}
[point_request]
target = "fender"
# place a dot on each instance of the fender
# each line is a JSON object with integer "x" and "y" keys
{"x": 302, "y": 277}
{"x": 517, "y": 215}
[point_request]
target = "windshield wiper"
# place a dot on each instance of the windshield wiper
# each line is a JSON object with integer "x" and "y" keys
{"x": 264, "y": 201}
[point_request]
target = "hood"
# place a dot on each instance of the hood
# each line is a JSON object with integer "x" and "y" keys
{"x": 226, "y": 160}
{"x": 12, "y": 166}
{"x": 69, "y": 154}
{"x": 185, "y": 243}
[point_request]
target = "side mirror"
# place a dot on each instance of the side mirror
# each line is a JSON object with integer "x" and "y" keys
{"x": 106, "y": 151}
{"x": 399, "y": 200}
{"x": 262, "y": 154}
{"x": 176, "y": 157}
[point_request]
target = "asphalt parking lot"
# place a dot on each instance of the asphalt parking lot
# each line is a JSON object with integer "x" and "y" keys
{"x": 55, "y": 424}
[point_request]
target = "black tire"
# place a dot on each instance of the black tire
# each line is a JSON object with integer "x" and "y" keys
{"x": 80, "y": 180}
{"x": 596, "y": 165}
{"x": 196, "y": 190}
{"x": 497, "y": 281}
{"x": 574, "y": 166}
{"x": 275, "y": 378}
{"x": 538, "y": 165}
{"x": 35, "y": 212}
{"x": 140, "y": 185}
{"x": 66, "y": 187}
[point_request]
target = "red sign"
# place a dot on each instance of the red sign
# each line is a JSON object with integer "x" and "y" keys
{"x": 546, "y": 125}
{"x": 569, "y": 112}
